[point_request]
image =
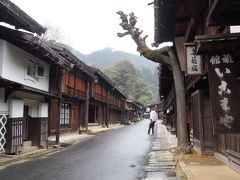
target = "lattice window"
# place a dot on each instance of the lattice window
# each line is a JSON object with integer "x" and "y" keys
{"x": 3, "y": 131}
{"x": 65, "y": 114}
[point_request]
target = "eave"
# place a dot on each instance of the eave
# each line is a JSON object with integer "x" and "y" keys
{"x": 218, "y": 43}
{"x": 69, "y": 56}
{"x": 163, "y": 22}
{"x": 178, "y": 19}
{"x": 33, "y": 45}
{"x": 13, "y": 15}
{"x": 224, "y": 13}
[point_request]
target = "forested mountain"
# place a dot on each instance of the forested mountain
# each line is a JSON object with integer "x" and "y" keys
{"x": 129, "y": 79}
{"x": 135, "y": 75}
{"x": 107, "y": 57}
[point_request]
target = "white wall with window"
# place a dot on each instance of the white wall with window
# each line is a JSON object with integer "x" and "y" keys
{"x": 65, "y": 114}
{"x": 19, "y": 66}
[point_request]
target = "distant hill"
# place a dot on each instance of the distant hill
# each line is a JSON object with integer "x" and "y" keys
{"x": 80, "y": 55}
{"x": 105, "y": 58}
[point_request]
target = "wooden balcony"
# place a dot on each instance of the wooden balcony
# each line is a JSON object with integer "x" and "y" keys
{"x": 75, "y": 93}
{"x": 101, "y": 98}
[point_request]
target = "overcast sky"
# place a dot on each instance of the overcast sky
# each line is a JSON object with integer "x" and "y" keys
{"x": 91, "y": 25}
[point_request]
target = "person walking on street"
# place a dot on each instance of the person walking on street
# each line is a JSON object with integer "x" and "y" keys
{"x": 153, "y": 118}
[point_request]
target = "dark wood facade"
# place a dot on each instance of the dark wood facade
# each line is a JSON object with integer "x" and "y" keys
{"x": 133, "y": 110}
{"x": 213, "y": 112}
{"x": 107, "y": 101}
{"x": 67, "y": 111}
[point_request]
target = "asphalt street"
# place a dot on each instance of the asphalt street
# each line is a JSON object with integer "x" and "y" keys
{"x": 119, "y": 154}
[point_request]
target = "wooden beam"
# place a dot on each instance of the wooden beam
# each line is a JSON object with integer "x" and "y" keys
{"x": 224, "y": 13}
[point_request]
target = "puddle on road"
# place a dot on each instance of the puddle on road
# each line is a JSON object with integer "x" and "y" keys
{"x": 132, "y": 165}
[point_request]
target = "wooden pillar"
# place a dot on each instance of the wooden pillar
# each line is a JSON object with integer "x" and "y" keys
{"x": 59, "y": 106}
{"x": 86, "y": 107}
{"x": 95, "y": 113}
{"x": 107, "y": 110}
{"x": 80, "y": 115}
{"x": 100, "y": 114}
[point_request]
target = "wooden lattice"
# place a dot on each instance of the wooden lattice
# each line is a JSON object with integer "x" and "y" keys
{"x": 3, "y": 131}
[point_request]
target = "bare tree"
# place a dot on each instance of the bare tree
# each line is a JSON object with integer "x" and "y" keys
{"x": 164, "y": 56}
{"x": 54, "y": 35}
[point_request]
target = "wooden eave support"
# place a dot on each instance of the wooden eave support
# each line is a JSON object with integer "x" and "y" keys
{"x": 224, "y": 13}
{"x": 216, "y": 43}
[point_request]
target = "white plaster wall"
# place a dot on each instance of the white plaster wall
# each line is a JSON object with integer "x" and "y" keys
{"x": 234, "y": 29}
{"x": 43, "y": 110}
{"x": 16, "y": 108}
{"x": 33, "y": 110}
{"x": 1, "y": 56}
{"x": 3, "y": 105}
{"x": 14, "y": 66}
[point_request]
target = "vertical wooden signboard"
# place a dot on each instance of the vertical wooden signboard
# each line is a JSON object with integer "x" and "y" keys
{"x": 223, "y": 72}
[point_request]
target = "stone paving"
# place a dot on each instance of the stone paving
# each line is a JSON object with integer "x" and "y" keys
{"x": 161, "y": 164}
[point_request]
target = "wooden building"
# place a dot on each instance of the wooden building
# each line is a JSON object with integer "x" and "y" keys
{"x": 208, "y": 53}
{"x": 46, "y": 90}
{"x": 67, "y": 113}
{"x": 133, "y": 110}
{"x": 106, "y": 104}
{"x": 116, "y": 105}
{"x": 24, "y": 81}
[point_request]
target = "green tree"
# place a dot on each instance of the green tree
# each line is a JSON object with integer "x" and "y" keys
{"x": 126, "y": 76}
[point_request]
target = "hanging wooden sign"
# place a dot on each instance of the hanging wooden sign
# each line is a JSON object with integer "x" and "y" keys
{"x": 194, "y": 62}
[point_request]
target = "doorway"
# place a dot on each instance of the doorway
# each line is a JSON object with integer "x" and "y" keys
{"x": 91, "y": 114}
{"x": 26, "y": 134}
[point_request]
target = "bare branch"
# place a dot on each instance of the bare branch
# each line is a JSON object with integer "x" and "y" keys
{"x": 154, "y": 44}
{"x": 132, "y": 19}
{"x": 122, "y": 34}
{"x": 142, "y": 48}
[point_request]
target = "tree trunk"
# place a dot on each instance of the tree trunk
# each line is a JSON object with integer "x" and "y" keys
{"x": 181, "y": 106}
{"x": 164, "y": 56}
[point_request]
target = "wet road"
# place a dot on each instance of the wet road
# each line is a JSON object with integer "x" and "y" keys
{"x": 114, "y": 155}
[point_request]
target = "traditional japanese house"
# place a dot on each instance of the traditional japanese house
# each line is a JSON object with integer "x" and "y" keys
{"x": 139, "y": 110}
{"x": 106, "y": 100}
{"x": 24, "y": 81}
{"x": 208, "y": 52}
{"x": 116, "y": 105}
{"x": 71, "y": 116}
{"x": 132, "y": 111}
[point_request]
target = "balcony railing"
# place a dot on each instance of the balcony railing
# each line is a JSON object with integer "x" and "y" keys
{"x": 100, "y": 97}
{"x": 75, "y": 93}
